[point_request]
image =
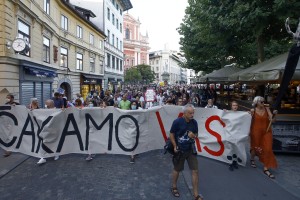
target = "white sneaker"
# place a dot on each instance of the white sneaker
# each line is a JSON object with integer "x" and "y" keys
{"x": 89, "y": 158}
{"x": 41, "y": 161}
{"x": 56, "y": 157}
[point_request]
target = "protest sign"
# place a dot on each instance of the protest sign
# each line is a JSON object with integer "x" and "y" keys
{"x": 45, "y": 132}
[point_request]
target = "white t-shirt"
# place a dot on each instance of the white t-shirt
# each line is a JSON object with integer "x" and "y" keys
{"x": 142, "y": 99}
{"x": 212, "y": 106}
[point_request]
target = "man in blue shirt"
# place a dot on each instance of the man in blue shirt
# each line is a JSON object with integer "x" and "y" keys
{"x": 58, "y": 101}
{"x": 182, "y": 134}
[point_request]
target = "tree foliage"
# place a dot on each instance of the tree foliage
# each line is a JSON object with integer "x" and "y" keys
{"x": 139, "y": 74}
{"x": 219, "y": 32}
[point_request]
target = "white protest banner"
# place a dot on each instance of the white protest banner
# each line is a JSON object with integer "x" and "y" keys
{"x": 45, "y": 132}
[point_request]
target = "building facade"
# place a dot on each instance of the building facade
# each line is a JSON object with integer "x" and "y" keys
{"x": 109, "y": 17}
{"x": 191, "y": 76}
{"x": 64, "y": 51}
{"x": 168, "y": 61}
{"x": 136, "y": 45}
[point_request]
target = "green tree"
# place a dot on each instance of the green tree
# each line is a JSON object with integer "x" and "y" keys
{"x": 139, "y": 74}
{"x": 132, "y": 75}
{"x": 219, "y": 32}
{"x": 147, "y": 74}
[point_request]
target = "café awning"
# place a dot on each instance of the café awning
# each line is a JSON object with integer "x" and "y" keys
{"x": 269, "y": 70}
{"x": 220, "y": 75}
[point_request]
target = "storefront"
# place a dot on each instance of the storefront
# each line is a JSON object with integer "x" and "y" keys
{"x": 286, "y": 129}
{"x": 35, "y": 81}
{"x": 264, "y": 80}
{"x": 90, "y": 84}
{"x": 112, "y": 84}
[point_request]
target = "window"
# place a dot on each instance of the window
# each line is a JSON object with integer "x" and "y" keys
{"x": 113, "y": 2}
{"x": 108, "y": 36}
{"x": 46, "y": 50}
{"x": 47, "y": 6}
{"x": 113, "y": 19}
{"x": 101, "y": 67}
{"x": 157, "y": 69}
{"x": 79, "y": 61}
{"x": 121, "y": 27}
{"x": 121, "y": 45}
{"x": 156, "y": 61}
{"x": 127, "y": 33}
{"x": 101, "y": 44}
{"x": 120, "y": 11}
{"x": 117, "y": 61}
{"x": 108, "y": 13}
{"x": 113, "y": 62}
{"x": 91, "y": 39}
{"x": 92, "y": 64}
{"x": 121, "y": 68}
{"x": 24, "y": 32}
{"x": 113, "y": 40}
{"x": 63, "y": 57}
{"x": 108, "y": 60}
{"x": 79, "y": 31}
{"x": 117, "y": 43}
{"x": 117, "y": 23}
{"x": 64, "y": 22}
{"x": 117, "y": 6}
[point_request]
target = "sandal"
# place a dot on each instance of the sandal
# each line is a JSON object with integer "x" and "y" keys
{"x": 199, "y": 197}
{"x": 175, "y": 192}
{"x": 253, "y": 163}
{"x": 6, "y": 154}
{"x": 269, "y": 174}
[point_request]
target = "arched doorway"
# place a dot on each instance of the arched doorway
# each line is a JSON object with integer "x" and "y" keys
{"x": 66, "y": 86}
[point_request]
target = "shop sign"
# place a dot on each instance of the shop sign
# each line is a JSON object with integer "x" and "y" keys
{"x": 86, "y": 81}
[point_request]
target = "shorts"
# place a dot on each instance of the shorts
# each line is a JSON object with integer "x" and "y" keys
{"x": 179, "y": 159}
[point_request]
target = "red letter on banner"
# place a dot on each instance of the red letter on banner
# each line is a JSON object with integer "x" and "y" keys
{"x": 217, "y": 135}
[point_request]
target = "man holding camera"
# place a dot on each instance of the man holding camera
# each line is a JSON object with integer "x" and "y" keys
{"x": 182, "y": 134}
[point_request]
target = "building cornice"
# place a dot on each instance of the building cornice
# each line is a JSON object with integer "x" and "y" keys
{"x": 126, "y": 4}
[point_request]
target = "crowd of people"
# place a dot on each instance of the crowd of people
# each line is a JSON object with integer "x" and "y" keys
{"x": 188, "y": 96}
{"x": 164, "y": 95}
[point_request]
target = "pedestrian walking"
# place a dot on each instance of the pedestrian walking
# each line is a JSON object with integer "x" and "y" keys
{"x": 34, "y": 104}
{"x": 49, "y": 104}
{"x": 261, "y": 136}
{"x": 182, "y": 134}
{"x": 210, "y": 104}
{"x": 234, "y": 164}
{"x": 58, "y": 101}
{"x": 10, "y": 100}
{"x": 124, "y": 103}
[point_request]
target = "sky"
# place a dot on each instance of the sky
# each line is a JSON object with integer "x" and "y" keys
{"x": 160, "y": 18}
